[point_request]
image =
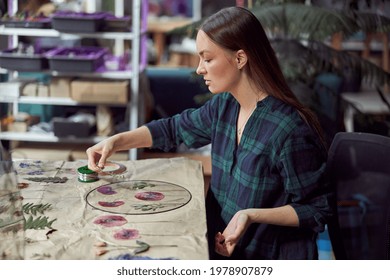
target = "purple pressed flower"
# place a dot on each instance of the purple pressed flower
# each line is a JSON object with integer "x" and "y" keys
{"x": 106, "y": 190}
{"x": 126, "y": 234}
{"x": 111, "y": 203}
{"x": 24, "y": 165}
{"x": 149, "y": 196}
{"x": 27, "y": 165}
{"x": 110, "y": 221}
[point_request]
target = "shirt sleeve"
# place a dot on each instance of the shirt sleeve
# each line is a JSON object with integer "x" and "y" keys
{"x": 303, "y": 165}
{"x": 192, "y": 127}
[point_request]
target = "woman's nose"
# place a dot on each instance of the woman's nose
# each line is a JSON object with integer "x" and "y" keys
{"x": 200, "y": 69}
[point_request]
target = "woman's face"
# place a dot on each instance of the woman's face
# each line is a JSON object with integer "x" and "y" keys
{"x": 217, "y": 65}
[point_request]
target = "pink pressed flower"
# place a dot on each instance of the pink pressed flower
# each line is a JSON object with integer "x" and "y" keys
{"x": 110, "y": 221}
{"x": 106, "y": 190}
{"x": 126, "y": 234}
{"x": 111, "y": 203}
{"x": 149, "y": 196}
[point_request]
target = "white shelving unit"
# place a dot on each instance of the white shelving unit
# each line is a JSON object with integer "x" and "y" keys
{"x": 138, "y": 63}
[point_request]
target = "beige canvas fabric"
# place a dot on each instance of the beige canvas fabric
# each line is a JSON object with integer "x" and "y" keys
{"x": 78, "y": 229}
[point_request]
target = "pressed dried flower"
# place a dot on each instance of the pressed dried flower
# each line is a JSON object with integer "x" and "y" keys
{"x": 126, "y": 234}
{"x": 110, "y": 220}
{"x": 149, "y": 196}
{"x": 111, "y": 203}
{"x": 100, "y": 244}
{"x": 100, "y": 252}
{"x": 22, "y": 185}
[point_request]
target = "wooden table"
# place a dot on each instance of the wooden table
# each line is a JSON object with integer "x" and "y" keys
{"x": 159, "y": 28}
{"x": 157, "y": 204}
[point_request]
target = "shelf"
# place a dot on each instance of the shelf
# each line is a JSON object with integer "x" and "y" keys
{"x": 105, "y": 74}
{"x": 360, "y": 46}
{"x": 54, "y": 33}
{"x": 28, "y": 32}
{"x": 47, "y": 137}
{"x": 373, "y": 43}
{"x": 120, "y": 75}
{"x": 138, "y": 55}
{"x": 61, "y": 101}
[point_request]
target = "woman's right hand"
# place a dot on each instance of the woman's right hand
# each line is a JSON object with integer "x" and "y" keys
{"x": 98, "y": 154}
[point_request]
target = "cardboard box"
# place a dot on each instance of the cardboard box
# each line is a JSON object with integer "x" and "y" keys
{"x": 43, "y": 90}
{"x": 100, "y": 92}
{"x": 22, "y": 122}
{"x": 60, "y": 87}
{"x": 18, "y": 127}
{"x": 30, "y": 89}
{"x": 36, "y": 89}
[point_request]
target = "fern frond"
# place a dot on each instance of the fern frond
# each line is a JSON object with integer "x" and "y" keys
{"x": 40, "y": 222}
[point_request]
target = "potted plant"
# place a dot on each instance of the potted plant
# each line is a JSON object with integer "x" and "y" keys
{"x": 301, "y": 34}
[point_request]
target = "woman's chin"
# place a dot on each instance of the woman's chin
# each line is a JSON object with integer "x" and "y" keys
{"x": 214, "y": 91}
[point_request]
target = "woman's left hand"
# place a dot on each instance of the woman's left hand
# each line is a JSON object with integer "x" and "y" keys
{"x": 226, "y": 242}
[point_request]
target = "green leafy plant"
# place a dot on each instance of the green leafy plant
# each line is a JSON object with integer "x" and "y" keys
{"x": 37, "y": 222}
{"x": 33, "y": 209}
{"x": 300, "y": 35}
{"x": 142, "y": 185}
{"x": 148, "y": 207}
{"x": 40, "y": 222}
{"x": 103, "y": 247}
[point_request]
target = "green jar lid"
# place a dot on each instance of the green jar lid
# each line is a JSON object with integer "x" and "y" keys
{"x": 85, "y": 170}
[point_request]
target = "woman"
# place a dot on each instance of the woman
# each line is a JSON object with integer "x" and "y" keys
{"x": 266, "y": 198}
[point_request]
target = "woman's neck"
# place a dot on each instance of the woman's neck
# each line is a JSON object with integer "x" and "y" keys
{"x": 247, "y": 95}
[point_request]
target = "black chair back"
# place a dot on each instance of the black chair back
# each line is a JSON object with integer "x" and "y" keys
{"x": 359, "y": 171}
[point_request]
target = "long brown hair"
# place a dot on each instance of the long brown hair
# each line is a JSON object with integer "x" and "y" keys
{"x": 236, "y": 28}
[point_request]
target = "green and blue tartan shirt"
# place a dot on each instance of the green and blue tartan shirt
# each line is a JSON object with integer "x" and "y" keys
{"x": 279, "y": 161}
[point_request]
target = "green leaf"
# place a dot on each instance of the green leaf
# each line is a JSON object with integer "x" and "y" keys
{"x": 40, "y": 222}
{"x": 143, "y": 247}
{"x": 31, "y": 208}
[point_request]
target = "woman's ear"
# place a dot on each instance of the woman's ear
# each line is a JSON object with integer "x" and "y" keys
{"x": 241, "y": 59}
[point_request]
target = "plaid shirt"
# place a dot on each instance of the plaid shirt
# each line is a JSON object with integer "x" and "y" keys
{"x": 279, "y": 161}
